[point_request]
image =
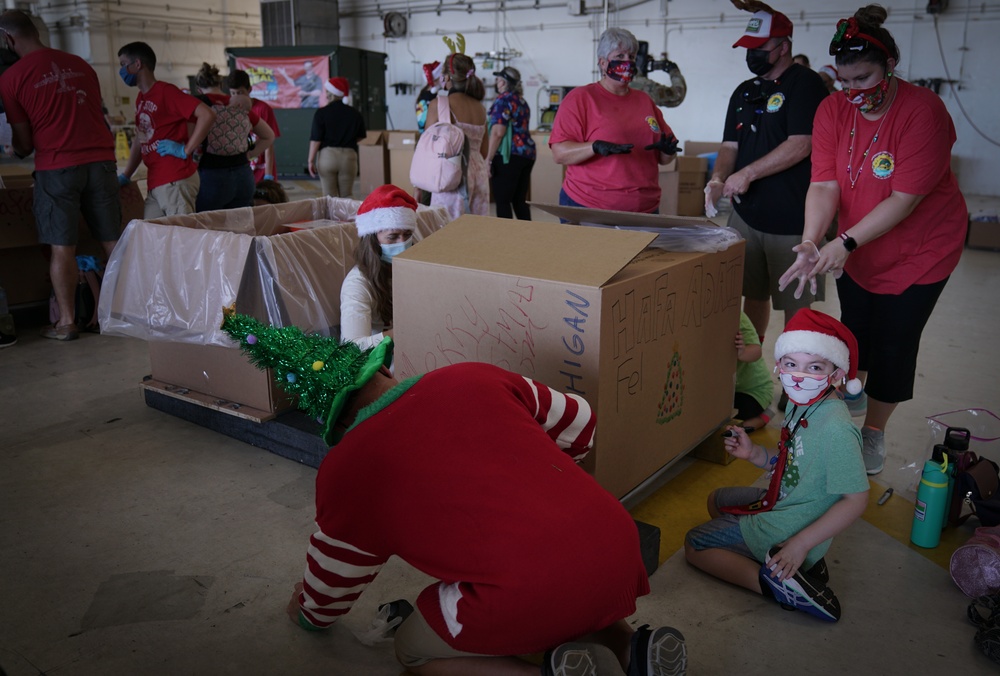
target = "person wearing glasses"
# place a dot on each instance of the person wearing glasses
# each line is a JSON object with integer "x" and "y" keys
{"x": 882, "y": 164}
{"x": 763, "y": 164}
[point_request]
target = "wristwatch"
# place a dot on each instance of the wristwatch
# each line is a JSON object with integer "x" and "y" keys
{"x": 850, "y": 244}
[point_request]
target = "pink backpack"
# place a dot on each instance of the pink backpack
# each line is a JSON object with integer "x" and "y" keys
{"x": 440, "y": 157}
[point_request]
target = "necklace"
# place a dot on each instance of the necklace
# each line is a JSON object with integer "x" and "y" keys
{"x": 850, "y": 151}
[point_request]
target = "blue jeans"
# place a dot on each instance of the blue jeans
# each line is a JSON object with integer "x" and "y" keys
{"x": 225, "y": 188}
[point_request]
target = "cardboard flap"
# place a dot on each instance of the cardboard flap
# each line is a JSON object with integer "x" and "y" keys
{"x": 651, "y": 222}
{"x": 585, "y": 256}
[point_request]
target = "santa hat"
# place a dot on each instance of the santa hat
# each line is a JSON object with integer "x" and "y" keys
{"x": 829, "y": 71}
{"x": 338, "y": 86}
{"x": 763, "y": 26}
{"x": 432, "y": 73}
{"x": 386, "y": 208}
{"x": 820, "y": 334}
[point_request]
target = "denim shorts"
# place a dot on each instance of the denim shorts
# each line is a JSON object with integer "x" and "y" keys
{"x": 724, "y": 532}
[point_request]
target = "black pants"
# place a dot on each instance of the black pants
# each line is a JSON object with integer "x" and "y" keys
{"x": 510, "y": 186}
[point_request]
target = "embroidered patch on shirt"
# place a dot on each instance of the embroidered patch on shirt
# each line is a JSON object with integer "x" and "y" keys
{"x": 883, "y": 165}
{"x": 654, "y": 126}
{"x": 775, "y": 101}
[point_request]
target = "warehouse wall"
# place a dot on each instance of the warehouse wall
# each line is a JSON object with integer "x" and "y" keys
{"x": 558, "y": 48}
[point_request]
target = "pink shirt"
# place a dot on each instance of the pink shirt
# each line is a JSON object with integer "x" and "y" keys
{"x": 913, "y": 156}
{"x": 59, "y": 95}
{"x": 627, "y": 182}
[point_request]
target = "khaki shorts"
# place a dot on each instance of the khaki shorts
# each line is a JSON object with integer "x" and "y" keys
{"x": 173, "y": 199}
{"x": 417, "y": 644}
{"x": 767, "y": 258}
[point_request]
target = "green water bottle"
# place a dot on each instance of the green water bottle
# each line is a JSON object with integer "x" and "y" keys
{"x": 932, "y": 503}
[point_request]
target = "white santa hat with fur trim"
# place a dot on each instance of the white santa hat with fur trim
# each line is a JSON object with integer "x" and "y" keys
{"x": 820, "y": 334}
{"x": 386, "y": 208}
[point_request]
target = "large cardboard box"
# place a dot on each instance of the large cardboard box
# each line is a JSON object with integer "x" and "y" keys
{"x": 546, "y": 175}
{"x": 643, "y": 334}
{"x": 682, "y": 185}
{"x": 169, "y": 279}
{"x": 24, "y": 263}
{"x": 373, "y": 158}
{"x": 220, "y": 372}
{"x": 984, "y": 232}
{"x": 401, "y": 145}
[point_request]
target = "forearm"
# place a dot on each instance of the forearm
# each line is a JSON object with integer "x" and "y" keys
{"x": 265, "y": 139}
{"x": 270, "y": 162}
{"x": 750, "y": 353}
{"x": 842, "y": 514}
{"x": 134, "y": 158}
{"x": 790, "y": 152}
{"x": 725, "y": 162}
{"x": 313, "y": 149}
{"x": 204, "y": 119}
{"x": 336, "y": 573}
{"x": 822, "y": 202}
{"x": 572, "y": 152}
{"x": 21, "y": 140}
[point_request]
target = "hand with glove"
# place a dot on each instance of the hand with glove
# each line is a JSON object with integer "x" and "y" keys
{"x": 803, "y": 270}
{"x": 605, "y": 148}
{"x": 670, "y": 67}
{"x": 167, "y": 147}
{"x": 666, "y": 145}
{"x": 123, "y": 180}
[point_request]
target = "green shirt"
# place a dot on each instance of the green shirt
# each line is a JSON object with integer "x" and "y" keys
{"x": 824, "y": 465}
{"x": 753, "y": 377}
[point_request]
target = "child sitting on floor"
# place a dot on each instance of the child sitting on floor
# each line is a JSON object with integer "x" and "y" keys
{"x": 772, "y": 541}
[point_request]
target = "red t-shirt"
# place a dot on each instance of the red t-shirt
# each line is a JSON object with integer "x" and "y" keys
{"x": 60, "y": 96}
{"x": 913, "y": 156}
{"x": 163, "y": 113}
{"x": 627, "y": 182}
{"x": 266, "y": 113}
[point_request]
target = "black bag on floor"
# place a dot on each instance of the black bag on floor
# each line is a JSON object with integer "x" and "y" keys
{"x": 977, "y": 493}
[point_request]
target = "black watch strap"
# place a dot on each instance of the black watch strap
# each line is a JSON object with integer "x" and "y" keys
{"x": 850, "y": 244}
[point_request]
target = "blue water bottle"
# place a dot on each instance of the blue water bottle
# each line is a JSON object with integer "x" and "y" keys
{"x": 931, "y": 505}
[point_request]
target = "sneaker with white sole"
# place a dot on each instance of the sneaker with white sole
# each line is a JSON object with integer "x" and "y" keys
{"x": 580, "y": 659}
{"x": 857, "y": 404}
{"x": 657, "y": 652}
{"x": 801, "y": 592}
{"x": 873, "y": 449}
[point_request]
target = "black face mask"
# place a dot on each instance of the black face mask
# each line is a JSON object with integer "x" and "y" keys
{"x": 758, "y": 61}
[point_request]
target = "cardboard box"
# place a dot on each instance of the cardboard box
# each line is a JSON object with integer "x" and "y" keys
{"x": 170, "y": 278}
{"x": 682, "y": 183}
{"x": 713, "y": 449}
{"x": 401, "y": 145}
{"x": 643, "y": 334}
{"x": 696, "y": 148}
{"x": 24, "y": 263}
{"x": 984, "y": 233}
{"x": 546, "y": 175}
{"x": 220, "y": 372}
{"x": 373, "y": 158}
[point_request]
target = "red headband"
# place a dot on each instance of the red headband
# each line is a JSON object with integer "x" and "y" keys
{"x": 848, "y": 29}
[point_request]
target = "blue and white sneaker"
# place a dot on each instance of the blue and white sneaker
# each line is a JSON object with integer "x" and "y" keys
{"x": 801, "y": 592}
{"x": 657, "y": 652}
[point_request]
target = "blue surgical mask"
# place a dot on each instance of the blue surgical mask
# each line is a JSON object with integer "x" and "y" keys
{"x": 389, "y": 251}
{"x": 127, "y": 77}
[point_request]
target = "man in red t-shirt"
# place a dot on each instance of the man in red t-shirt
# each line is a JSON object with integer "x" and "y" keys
{"x": 162, "y": 142}
{"x": 53, "y": 104}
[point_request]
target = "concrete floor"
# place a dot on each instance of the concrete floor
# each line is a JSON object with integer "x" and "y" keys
{"x": 132, "y": 542}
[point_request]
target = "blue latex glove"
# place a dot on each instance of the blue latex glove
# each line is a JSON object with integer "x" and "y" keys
{"x": 123, "y": 180}
{"x": 167, "y": 147}
{"x": 268, "y": 177}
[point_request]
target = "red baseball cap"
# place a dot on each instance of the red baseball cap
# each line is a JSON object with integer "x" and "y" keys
{"x": 763, "y": 26}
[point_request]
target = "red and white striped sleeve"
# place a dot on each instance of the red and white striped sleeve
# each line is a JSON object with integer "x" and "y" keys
{"x": 567, "y": 418}
{"x": 336, "y": 575}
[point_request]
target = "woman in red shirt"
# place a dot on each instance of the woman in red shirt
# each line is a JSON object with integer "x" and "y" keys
{"x": 881, "y": 160}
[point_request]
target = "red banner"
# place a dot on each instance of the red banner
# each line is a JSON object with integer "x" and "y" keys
{"x": 288, "y": 81}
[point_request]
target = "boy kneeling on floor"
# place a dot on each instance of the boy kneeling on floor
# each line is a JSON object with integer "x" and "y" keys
{"x": 818, "y": 486}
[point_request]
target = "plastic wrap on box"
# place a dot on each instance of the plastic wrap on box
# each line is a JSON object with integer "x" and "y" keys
{"x": 169, "y": 278}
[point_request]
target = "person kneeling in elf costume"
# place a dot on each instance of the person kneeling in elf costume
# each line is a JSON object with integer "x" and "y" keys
{"x": 468, "y": 473}
{"x": 772, "y": 541}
